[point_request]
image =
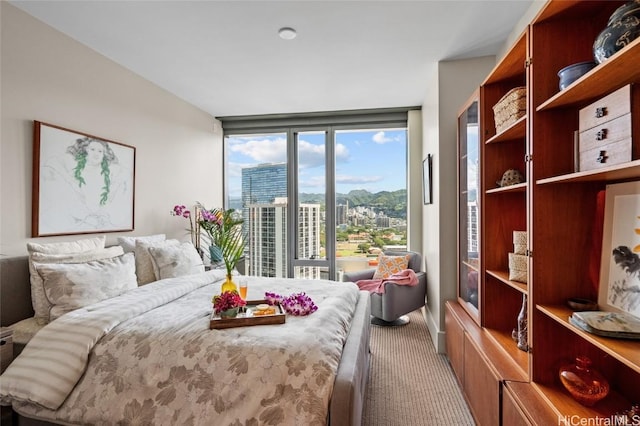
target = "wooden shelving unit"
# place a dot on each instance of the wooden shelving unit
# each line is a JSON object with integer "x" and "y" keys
{"x": 557, "y": 206}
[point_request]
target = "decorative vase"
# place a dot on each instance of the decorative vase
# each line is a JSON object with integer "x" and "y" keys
{"x": 623, "y": 27}
{"x": 229, "y": 313}
{"x": 522, "y": 332}
{"x": 585, "y": 384}
{"x": 216, "y": 253}
{"x": 228, "y": 285}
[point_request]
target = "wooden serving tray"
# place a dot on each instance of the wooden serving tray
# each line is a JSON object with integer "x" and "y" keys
{"x": 246, "y": 318}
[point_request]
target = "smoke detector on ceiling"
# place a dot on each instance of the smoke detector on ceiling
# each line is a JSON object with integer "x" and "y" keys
{"x": 287, "y": 33}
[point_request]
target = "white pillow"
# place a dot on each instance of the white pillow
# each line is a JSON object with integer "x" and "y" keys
{"x": 144, "y": 264}
{"x": 85, "y": 256}
{"x": 175, "y": 261}
{"x": 38, "y": 299}
{"x": 75, "y": 285}
{"x": 129, "y": 243}
{"x": 68, "y": 246}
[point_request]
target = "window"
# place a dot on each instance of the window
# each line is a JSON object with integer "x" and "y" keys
{"x": 343, "y": 179}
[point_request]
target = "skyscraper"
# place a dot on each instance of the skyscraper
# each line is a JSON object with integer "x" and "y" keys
{"x": 342, "y": 211}
{"x": 264, "y": 210}
{"x": 263, "y": 183}
{"x": 267, "y": 243}
{"x": 267, "y": 246}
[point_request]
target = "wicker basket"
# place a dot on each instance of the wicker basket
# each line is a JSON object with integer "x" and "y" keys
{"x": 520, "y": 242}
{"x": 510, "y": 108}
{"x": 518, "y": 267}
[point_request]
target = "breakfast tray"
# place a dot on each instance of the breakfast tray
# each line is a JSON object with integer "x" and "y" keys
{"x": 246, "y": 318}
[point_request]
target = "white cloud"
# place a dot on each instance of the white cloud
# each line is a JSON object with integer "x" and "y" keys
{"x": 314, "y": 182}
{"x": 342, "y": 153}
{"x": 275, "y": 151}
{"x": 263, "y": 151}
{"x": 357, "y": 179}
{"x": 381, "y": 138}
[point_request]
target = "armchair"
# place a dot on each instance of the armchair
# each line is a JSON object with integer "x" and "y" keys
{"x": 391, "y": 307}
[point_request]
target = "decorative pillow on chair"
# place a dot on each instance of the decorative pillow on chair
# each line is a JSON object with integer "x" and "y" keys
{"x": 144, "y": 262}
{"x": 75, "y": 285}
{"x": 389, "y": 265}
{"x": 129, "y": 243}
{"x": 175, "y": 261}
{"x": 87, "y": 249}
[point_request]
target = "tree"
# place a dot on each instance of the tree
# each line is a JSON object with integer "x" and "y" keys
{"x": 364, "y": 247}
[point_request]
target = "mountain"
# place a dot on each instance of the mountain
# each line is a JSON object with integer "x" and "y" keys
{"x": 393, "y": 203}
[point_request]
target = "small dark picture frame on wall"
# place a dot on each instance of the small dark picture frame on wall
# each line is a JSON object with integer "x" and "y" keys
{"x": 426, "y": 179}
{"x": 82, "y": 184}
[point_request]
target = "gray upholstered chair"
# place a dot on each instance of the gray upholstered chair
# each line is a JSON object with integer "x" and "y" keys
{"x": 391, "y": 307}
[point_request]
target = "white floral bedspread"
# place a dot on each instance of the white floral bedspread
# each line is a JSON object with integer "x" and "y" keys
{"x": 164, "y": 366}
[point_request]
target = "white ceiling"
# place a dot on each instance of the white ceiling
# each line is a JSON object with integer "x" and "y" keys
{"x": 226, "y": 58}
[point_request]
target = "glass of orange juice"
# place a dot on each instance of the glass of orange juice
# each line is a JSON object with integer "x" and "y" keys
{"x": 242, "y": 284}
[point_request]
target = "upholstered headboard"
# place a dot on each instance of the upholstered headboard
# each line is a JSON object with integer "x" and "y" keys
{"x": 15, "y": 290}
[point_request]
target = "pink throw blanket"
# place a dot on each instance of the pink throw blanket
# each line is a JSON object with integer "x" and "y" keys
{"x": 404, "y": 277}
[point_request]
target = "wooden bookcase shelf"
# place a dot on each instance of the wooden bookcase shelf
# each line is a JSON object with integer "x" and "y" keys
{"x": 625, "y": 351}
{"x": 505, "y": 342}
{"x": 618, "y": 172}
{"x": 565, "y": 406}
{"x": 471, "y": 265}
{"x": 514, "y": 132}
{"x": 504, "y": 277}
{"x": 559, "y": 210}
{"x": 519, "y": 187}
{"x": 617, "y": 71}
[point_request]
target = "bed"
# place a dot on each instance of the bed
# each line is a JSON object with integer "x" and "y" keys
{"x": 299, "y": 372}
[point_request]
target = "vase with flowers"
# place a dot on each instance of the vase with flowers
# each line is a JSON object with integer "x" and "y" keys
{"x": 227, "y": 304}
{"x": 226, "y": 237}
{"x": 223, "y": 230}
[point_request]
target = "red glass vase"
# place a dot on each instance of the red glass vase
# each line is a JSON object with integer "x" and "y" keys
{"x": 585, "y": 384}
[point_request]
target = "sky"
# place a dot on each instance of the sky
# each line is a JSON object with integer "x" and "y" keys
{"x": 374, "y": 160}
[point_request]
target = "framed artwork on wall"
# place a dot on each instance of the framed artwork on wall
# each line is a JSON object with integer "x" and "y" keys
{"x": 426, "y": 179}
{"x": 82, "y": 184}
{"x": 620, "y": 265}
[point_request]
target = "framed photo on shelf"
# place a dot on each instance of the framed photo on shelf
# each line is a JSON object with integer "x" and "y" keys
{"x": 82, "y": 184}
{"x": 426, "y": 179}
{"x": 620, "y": 265}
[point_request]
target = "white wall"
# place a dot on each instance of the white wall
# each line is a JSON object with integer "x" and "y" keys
{"x": 49, "y": 77}
{"x": 451, "y": 85}
{"x": 414, "y": 193}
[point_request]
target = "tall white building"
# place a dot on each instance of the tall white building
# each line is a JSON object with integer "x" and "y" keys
{"x": 472, "y": 229}
{"x": 268, "y": 238}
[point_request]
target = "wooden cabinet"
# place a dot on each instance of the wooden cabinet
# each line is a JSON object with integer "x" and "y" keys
{"x": 512, "y": 414}
{"x": 559, "y": 209}
{"x": 480, "y": 365}
{"x": 455, "y": 342}
{"x": 564, "y": 208}
{"x": 481, "y": 385}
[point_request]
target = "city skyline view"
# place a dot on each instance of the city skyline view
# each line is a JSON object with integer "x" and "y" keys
{"x": 373, "y": 160}
{"x": 367, "y": 161}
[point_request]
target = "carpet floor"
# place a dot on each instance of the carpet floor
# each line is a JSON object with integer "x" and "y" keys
{"x": 409, "y": 383}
